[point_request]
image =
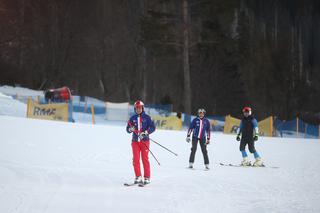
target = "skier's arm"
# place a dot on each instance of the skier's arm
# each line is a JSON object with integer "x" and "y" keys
{"x": 130, "y": 127}
{"x": 239, "y": 131}
{"x": 255, "y": 126}
{"x": 191, "y": 127}
{"x": 152, "y": 127}
{"x": 208, "y": 130}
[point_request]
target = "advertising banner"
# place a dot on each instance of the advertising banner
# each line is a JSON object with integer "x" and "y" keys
{"x": 58, "y": 112}
{"x": 170, "y": 123}
{"x": 266, "y": 127}
{"x": 231, "y": 125}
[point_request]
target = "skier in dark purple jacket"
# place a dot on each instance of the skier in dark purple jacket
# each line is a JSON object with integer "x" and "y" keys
{"x": 201, "y": 132}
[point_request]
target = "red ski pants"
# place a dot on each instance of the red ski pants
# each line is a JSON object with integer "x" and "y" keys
{"x": 141, "y": 148}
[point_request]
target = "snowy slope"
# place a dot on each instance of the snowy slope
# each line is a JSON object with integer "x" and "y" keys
{"x": 51, "y": 167}
{"x": 9, "y": 90}
{"x": 12, "y": 107}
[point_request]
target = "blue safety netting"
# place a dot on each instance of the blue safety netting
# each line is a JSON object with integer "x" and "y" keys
{"x": 87, "y": 109}
{"x": 295, "y": 128}
{"x": 83, "y": 104}
{"x": 186, "y": 120}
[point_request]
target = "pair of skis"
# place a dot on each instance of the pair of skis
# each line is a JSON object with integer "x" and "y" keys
{"x": 205, "y": 169}
{"x": 135, "y": 184}
{"x": 221, "y": 164}
{"x": 239, "y": 165}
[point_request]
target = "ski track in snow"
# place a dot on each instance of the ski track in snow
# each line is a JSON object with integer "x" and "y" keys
{"x": 81, "y": 168}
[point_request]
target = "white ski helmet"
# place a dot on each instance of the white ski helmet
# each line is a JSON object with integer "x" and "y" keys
{"x": 138, "y": 104}
{"x": 201, "y": 110}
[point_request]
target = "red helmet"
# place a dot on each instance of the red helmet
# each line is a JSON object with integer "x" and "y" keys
{"x": 247, "y": 109}
{"x": 138, "y": 104}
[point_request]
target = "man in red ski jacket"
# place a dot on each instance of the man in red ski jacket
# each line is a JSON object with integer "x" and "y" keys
{"x": 140, "y": 125}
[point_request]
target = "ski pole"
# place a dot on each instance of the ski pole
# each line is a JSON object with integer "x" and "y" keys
{"x": 152, "y": 153}
{"x": 163, "y": 147}
{"x": 159, "y": 144}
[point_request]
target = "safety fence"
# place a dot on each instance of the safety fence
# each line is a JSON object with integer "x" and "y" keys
{"x": 295, "y": 128}
{"x": 274, "y": 127}
{"x": 91, "y": 110}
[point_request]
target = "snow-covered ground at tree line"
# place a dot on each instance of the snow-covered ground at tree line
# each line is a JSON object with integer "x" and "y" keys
{"x": 57, "y": 167}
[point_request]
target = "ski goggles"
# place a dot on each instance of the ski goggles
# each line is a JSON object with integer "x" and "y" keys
{"x": 201, "y": 111}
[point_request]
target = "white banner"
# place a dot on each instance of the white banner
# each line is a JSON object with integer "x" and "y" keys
{"x": 117, "y": 111}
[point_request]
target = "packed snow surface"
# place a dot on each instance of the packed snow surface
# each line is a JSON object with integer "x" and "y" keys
{"x": 21, "y": 91}
{"x": 12, "y": 107}
{"x": 57, "y": 167}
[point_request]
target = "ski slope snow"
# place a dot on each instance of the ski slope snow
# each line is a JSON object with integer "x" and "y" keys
{"x": 57, "y": 167}
{"x": 12, "y": 107}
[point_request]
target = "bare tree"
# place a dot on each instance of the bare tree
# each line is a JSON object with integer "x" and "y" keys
{"x": 185, "y": 55}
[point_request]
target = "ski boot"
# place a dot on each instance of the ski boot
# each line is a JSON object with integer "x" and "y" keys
{"x": 207, "y": 167}
{"x": 258, "y": 162}
{"x": 245, "y": 162}
{"x": 190, "y": 165}
{"x": 146, "y": 181}
{"x": 138, "y": 180}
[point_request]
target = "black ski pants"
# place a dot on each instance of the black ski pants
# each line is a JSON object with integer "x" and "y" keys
{"x": 203, "y": 149}
{"x": 250, "y": 142}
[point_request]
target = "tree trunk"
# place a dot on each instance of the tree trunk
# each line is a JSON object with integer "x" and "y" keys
{"x": 276, "y": 26}
{"x": 54, "y": 32}
{"x": 154, "y": 70}
{"x": 235, "y": 24}
{"x": 144, "y": 74}
{"x": 143, "y": 61}
{"x": 102, "y": 48}
{"x": 293, "y": 51}
{"x": 185, "y": 59}
{"x": 21, "y": 38}
{"x": 300, "y": 53}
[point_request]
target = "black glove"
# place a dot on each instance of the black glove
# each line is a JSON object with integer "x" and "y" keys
{"x": 143, "y": 135}
{"x": 188, "y": 139}
{"x": 255, "y": 138}
{"x": 208, "y": 141}
{"x": 238, "y": 137}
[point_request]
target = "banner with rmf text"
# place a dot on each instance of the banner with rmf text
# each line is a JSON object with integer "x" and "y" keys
{"x": 266, "y": 127}
{"x": 231, "y": 125}
{"x": 58, "y": 112}
{"x": 170, "y": 122}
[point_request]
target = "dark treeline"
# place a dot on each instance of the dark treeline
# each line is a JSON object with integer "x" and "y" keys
{"x": 217, "y": 54}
